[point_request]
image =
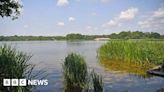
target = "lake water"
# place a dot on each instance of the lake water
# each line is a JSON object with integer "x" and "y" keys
{"x": 49, "y": 56}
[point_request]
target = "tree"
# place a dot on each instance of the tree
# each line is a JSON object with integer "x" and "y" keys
{"x": 125, "y": 35}
{"x": 73, "y": 36}
{"x": 137, "y": 35}
{"x": 10, "y": 8}
{"x": 113, "y": 36}
{"x": 154, "y": 35}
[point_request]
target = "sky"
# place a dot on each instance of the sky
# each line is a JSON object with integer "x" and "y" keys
{"x": 88, "y": 17}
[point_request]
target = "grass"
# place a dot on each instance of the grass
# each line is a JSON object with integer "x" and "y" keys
{"x": 14, "y": 64}
{"x": 97, "y": 82}
{"x": 132, "y": 56}
{"x": 77, "y": 77}
{"x": 75, "y": 73}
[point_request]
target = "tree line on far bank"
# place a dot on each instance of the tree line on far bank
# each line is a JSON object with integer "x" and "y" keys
{"x": 77, "y": 36}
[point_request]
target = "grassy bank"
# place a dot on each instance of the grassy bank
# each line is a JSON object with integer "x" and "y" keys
{"x": 131, "y": 55}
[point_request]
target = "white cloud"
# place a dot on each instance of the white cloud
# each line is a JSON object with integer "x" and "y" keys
{"x": 95, "y": 28}
{"x": 144, "y": 24}
{"x": 71, "y": 19}
{"x": 128, "y": 14}
{"x": 93, "y": 13}
{"x": 124, "y": 15}
{"x": 111, "y": 23}
{"x": 159, "y": 13}
{"x": 60, "y": 24}
{"x": 78, "y": 0}
{"x": 90, "y": 28}
{"x": 26, "y": 26}
{"x": 104, "y": 1}
{"x": 62, "y": 2}
{"x": 155, "y": 21}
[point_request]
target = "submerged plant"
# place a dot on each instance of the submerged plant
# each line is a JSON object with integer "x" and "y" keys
{"x": 14, "y": 64}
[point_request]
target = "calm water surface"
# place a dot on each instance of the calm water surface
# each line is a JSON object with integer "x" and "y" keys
{"x": 49, "y": 56}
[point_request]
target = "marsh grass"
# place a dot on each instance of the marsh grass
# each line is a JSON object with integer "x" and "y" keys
{"x": 131, "y": 56}
{"x": 97, "y": 82}
{"x": 76, "y": 75}
{"x": 14, "y": 64}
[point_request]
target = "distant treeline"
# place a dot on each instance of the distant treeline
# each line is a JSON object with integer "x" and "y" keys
{"x": 30, "y": 38}
{"x": 73, "y": 36}
{"x": 136, "y": 35}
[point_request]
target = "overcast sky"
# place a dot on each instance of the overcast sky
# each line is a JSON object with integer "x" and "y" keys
{"x": 61, "y": 17}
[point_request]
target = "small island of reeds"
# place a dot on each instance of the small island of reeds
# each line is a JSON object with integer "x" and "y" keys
{"x": 132, "y": 56}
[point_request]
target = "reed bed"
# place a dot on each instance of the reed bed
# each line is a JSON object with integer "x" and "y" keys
{"x": 132, "y": 56}
{"x": 14, "y": 64}
{"x": 77, "y": 78}
{"x": 75, "y": 73}
{"x": 133, "y": 51}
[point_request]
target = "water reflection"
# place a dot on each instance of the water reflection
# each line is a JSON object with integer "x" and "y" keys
{"x": 130, "y": 68}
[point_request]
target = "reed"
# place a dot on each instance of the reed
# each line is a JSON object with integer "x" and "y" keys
{"x": 77, "y": 78}
{"x": 14, "y": 64}
{"x": 75, "y": 73}
{"x": 137, "y": 54}
{"x": 133, "y": 51}
{"x": 97, "y": 82}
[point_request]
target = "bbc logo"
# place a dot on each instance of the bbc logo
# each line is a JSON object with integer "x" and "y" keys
{"x": 14, "y": 82}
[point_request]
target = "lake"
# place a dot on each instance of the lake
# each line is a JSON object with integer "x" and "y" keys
{"x": 49, "y": 56}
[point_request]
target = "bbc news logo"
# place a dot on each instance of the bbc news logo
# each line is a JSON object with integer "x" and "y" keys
{"x": 23, "y": 82}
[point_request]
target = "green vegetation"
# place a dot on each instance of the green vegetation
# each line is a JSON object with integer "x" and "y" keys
{"x": 97, "y": 82}
{"x": 30, "y": 38}
{"x": 75, "y": 73}
{"x": 72, "y": 36}
{"x": 78, "y": 37}
{"x": 134, "y": 51}
{"x": 131, "y": 56}
{"x": 14, "y": 64}
{"x": 10, "y": 8}
{"x": 76, "y": 76}
{"x": 136, "y": 35}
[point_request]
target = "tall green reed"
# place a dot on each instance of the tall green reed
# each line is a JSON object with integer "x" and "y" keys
{"x": 14, "y": 64}
{"x": 133, "y": 51}
{"x": 77, "y": 77}
{"x": 75, "y": 73}
{"x": 97, "y": 82}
